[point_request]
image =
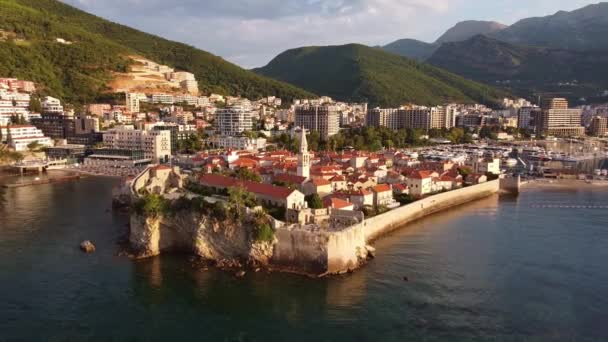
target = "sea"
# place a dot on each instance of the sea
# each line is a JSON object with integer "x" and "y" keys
{"x": 531, "y": 267}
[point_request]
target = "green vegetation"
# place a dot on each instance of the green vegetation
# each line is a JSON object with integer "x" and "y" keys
{"x": 152, "y": 205}
{"x": 526, "y": 68}
{"x": 8, "y": 156}
{"x": 246, "y": 174}
{"x": 314, "y": 201}
{"x": 411, "y": 48}
{"x": 79, "y": 72}
{"x": 404, "y": 199}
{"x": 371, "y": 211}
{"x": 360, "y": 73}
{"x": 190, "y": 145}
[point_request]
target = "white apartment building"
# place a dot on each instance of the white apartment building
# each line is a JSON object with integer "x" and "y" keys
{"x": 234, "y": 120}
{"x": 132, "y": 101}
{"x": 155, "y": 144}
{"x": 162, "y": 98}
{"x": 188, "y": 99}
{"x": 52, "y": 105}
{"x": 19, "y": 136}
{"x": 238, "y": 143}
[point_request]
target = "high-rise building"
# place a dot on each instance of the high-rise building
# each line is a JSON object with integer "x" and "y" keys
{"x": 132, "y": 101}
{"x": 525, "y": 117}
{"x": 416, "y": 117}
{"x": 599, "y": 126}
{"x": 304, "y": 157}
{"x": 556, "y": 119}
{"x": 322, "y": 119}
{"x": 234, "y": 120}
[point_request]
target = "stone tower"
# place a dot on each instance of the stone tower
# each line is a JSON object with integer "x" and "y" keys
{"x": 304, "y": 157}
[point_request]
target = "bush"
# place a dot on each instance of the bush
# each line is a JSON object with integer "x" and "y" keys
{"x": 264, "y": 233}
{"x": 152, "y": 205}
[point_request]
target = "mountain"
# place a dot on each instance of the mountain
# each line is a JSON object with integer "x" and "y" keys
{"x": 96, "y": 49}
{"x": 467, "y": 29}
{"x": 582, "y": 29}
{"x": 355, "y": 73}
{"x": 464, "y": 30}
{"x": 411, "y": 48}
{"x": 489, "y": 60}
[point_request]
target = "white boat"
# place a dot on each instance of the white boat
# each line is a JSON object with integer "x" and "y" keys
{"x": 511, "y": 162}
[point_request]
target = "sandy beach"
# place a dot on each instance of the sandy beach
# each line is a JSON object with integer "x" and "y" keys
{"x": 564, "y": 184}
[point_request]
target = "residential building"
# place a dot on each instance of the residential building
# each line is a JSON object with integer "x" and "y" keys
{"x": 132, "y": 102}
{"x": 19, "y": 137}
{"x": 238, "y": 143}
{"x": 420, "y": 182}
{"x": 323, "y": 119}
{"x": 414, "y": 117}
{"x": 599, "y": 126}
{"x": 52, "y": 105}
{"x": 556, "y": 119}
{"x": 525, "y": 117}
{"x": 156, "y": 144}
{"x": 234, "y": 120}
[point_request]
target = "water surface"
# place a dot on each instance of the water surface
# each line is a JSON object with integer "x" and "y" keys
{"x": 502, "y": 268}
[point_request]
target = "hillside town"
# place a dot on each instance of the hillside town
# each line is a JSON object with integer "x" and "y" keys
{"x": 218, "y": 134}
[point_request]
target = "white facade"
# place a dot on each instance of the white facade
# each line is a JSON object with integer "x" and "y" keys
{"x": 162, "y": 98}
{"x": 19, "y": 136}
{"x": 132, "y": 100}
{"x": 234, "y": 120}
{"x": 155, "y": 144}
{"x": 304, "y": 157}
{"x": 51, "y": 105}
{"x": 238, "y": 143}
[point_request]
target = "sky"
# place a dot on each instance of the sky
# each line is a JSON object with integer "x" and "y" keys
{"x": 252, "y": 32}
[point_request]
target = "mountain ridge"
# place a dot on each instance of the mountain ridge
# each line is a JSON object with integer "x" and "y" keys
{"x": 79, "y": 72}
{"x": 355, "y": 72}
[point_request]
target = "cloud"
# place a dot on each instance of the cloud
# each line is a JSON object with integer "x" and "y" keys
{"x": 251, "y": 32}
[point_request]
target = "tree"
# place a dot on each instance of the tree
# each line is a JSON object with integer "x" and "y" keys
{"x": 314, "y": 201}
{"x": 238, "y": 199}
{"x": 34, "y": 146}
{"x": 247, "y": 174}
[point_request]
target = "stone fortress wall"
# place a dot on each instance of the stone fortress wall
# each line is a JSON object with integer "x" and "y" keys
{"x": 308, "y": 249}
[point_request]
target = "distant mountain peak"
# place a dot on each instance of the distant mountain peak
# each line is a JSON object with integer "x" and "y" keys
{"x": 467, "y": 29}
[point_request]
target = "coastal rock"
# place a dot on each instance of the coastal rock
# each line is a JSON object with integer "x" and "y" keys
{"x": 87, "y": 246}
{"x": 371, "y": 251}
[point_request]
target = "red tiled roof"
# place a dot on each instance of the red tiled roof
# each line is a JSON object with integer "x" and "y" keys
{"x": 335, "y": 203}
{"x": 421, "y": 174}
{"x": 382, "y": 188}
{"x": 400, "y": 187}
{"x": 256, "y": 188}
{"x": 320, "y": 182}
{"x": 288, "y": 178}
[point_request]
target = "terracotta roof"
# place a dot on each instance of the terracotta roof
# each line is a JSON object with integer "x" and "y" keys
{"x": 335, "y": 203}
{"x": 256, "y": 188}
{"x": 382, "y": 188}
{"x": 320, "y": 182}
{"x": 400, "y": 187}
{"x": 421, "y": 174}
{"x": 288, "y": 178}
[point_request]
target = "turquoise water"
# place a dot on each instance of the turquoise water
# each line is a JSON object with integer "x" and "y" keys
{"x": 502, "y": 268}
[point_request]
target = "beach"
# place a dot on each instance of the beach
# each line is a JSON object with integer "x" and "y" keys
{"x": 564, "y": 184}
